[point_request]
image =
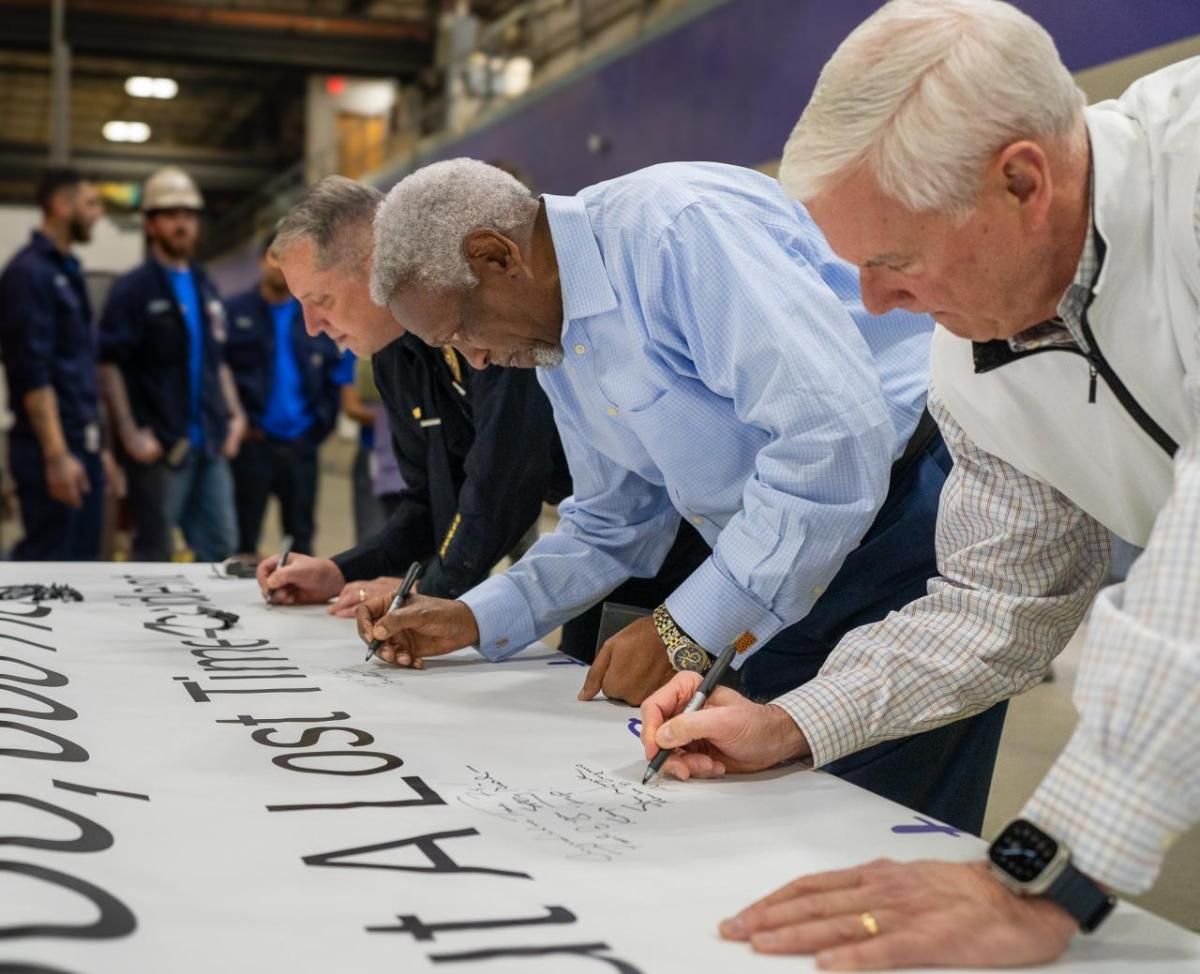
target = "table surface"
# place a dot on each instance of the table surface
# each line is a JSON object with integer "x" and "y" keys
{"x": 260, "y": 799}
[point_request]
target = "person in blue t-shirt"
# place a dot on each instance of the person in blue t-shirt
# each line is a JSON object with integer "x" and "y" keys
{"x": 290, "y": 386}
{"x": 169, "y": 391}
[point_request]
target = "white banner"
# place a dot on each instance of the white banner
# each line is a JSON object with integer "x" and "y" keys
{"x": 181, "y": 797}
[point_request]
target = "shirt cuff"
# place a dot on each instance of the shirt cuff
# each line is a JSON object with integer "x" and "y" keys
{"x": 1118, "y": 834}
{"x": 828, "y": 717}
{"x": 714, "y": 611}
{"x": 505, "y": 622}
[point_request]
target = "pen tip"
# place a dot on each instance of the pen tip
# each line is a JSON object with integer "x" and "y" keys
{"x": 647, "y": 776}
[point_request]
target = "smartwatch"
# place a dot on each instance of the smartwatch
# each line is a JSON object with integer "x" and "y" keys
{"x": 1031, "y": 862}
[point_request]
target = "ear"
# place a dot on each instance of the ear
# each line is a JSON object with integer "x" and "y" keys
{"x": 489, "y": 253}
{"x": 1024, "y": 171}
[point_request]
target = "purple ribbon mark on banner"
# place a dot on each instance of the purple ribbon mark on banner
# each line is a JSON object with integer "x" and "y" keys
{"x": 635, "y": 727}
{"x": 565, "y": 660}
{"x": 925, "y": 826}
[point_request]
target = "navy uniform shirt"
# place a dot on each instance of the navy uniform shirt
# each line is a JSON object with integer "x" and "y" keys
{"x": 306, "y": 407}
{"x": 479, "y": 453}
{"x": 143, "y": 332}
{"x": 46, "y": 337}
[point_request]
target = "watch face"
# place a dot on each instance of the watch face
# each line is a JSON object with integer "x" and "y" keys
{"x": 1023, "y": 851}
{"x": 689, "y": 658}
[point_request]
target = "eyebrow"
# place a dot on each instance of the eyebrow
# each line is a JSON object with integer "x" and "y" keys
{"x": 889, "y": 258}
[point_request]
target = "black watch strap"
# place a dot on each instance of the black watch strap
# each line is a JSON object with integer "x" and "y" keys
{"x": 1081, "y": 898}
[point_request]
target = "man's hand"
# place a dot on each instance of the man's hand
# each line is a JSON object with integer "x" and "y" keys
{"x": 142, "y": 445}
{"x": 422, "y": 627}
{"x": 66, "y": 480}
{"x": 114, "y": 475}
{"x": 356, "y": 593}
{"x": 630, "y": 666}
{"x": 304, "y": 580}
{"x": 928, "y": 914}
{"x": 730, "y": 733}
{"x": 234, "y": 436}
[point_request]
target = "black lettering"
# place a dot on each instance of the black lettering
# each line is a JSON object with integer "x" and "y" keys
{"x": 288, "y": 761}
{"x": 29, "y": 642}
{"x": 68, "y": 750}
{"x": 420, "y": 930}
{"x": 310, "y": 735}
{"x": 92, "y": 837}
{"x": 31, "y": 625}
{"x": 50, "y": 678}
{"x": 95, "y": 792}
{"x": 579, "y": 950}
{"x": 230, "y": 644}
{"x": 427, "y": 797}
{"x": 39, "y": 611}
{"x": 440, "y": 861}
{"x": 57, "y": 710}
{"x": 204, "y": 694}
{"x": 115, "y": 920}
{"x": 247, "y": 721}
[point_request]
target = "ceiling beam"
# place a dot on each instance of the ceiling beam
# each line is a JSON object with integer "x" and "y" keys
{"x": 136, "y": 29}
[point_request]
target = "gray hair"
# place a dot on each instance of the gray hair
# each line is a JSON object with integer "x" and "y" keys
{"x": 922, "y": 94}
{"x": 335, "y": 214}
{"x": 420, "y": 226}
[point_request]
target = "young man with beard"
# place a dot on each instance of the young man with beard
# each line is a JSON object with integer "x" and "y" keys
{"x": 171, "y": 395}
{"x": 49, "y": 348}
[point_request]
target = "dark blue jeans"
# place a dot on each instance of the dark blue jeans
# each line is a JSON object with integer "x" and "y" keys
{"x": 945, "y": 773}
{"x": 54, "y": 531}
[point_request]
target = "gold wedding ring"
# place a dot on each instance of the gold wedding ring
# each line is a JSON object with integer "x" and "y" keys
{"x": 362, "y": 595}
{"x": 870, "y": 924}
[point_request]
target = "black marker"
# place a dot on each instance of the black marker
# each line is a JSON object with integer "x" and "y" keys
{"x": 707, "y": 685}
{"x": 410, "y": 579}
{"x": 285, "y": 552}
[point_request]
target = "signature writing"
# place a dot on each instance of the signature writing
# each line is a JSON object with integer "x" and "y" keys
{"x": 594, "y": 819}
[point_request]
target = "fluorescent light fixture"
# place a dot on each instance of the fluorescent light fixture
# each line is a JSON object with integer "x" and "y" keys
{"x": 118, "y": 131}
{"x": 140, "y": 86}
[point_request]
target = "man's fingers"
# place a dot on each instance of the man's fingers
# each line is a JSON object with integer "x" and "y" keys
{"x": 825, "y": 882}
{"x": 801, "y": 909}
{"x": 903, "y": 948}
{"x": 693, "y": 764}
{"x": 817, "y": 935}
{"x": 701, "y": 725}
{"x": 664, "y": 704}
{"x": 595, "y": 674}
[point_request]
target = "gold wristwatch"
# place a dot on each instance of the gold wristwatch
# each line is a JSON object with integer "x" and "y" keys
{"x": 683, "y": 651}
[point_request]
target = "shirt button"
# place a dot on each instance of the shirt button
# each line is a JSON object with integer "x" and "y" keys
{"x": 612, "y": 410}
{"x": 501, "y": 643}
{"x": 580, "y": 349}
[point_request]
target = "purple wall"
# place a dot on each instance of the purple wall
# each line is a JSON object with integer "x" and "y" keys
{"x": 729, "y": 85}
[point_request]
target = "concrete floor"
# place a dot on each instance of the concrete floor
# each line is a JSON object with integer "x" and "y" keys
{"x": 1039, "y": 722}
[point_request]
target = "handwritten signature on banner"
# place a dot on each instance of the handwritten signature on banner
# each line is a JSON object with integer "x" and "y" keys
{"x": 595, "y": 818}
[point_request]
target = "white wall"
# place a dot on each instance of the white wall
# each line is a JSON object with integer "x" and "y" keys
{"x": 114, "y": 247}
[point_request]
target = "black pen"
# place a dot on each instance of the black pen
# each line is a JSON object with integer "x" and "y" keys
{"x": 410, "y": 579}
{"x": 707, "y": 685}
{"x": 285, "y": 552}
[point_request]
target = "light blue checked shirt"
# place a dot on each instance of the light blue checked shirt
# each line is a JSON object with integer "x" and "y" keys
{"x": 719, "y": 366}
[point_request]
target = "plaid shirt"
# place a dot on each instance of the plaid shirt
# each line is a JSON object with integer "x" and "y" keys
{"x": 1020, "y": 564}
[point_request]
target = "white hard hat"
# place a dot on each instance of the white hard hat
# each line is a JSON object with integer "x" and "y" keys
{"x": 170, "y": 189}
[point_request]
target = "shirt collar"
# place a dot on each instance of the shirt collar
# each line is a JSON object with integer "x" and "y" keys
{"x": 586, "y": 288}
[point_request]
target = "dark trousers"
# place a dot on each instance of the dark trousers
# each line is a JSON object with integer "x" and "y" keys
{"x": 944, "y": 773}
{"x": 289, "y": 471}
{"x": 54, "y": 531}
{"x": 196, "y": 496}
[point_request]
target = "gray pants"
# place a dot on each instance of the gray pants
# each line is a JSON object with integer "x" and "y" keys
{"x": 197, "y": 496}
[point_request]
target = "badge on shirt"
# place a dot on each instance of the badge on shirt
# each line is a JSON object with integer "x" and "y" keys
{"x": 216, "y": 320}
{"x": 158, "y": 306}
{"x": 60, "y": 280}
{"x": 91, "y": 438}
{"x": 315, "y": 358}
{"x": 244, "y": 321}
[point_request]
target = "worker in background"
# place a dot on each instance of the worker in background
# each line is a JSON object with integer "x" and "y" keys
{"x": 290, "y": 386}
{"x": 49, "y": 347}
{"x": 376, "y": 479}
{"x": 174, "y": 406}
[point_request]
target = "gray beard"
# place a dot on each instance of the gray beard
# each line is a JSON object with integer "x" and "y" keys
{"x": 547, "y": 356}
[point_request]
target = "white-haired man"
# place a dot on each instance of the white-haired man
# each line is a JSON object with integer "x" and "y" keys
{"x": 706, "y": 356}
{"x": 947, "y": 153}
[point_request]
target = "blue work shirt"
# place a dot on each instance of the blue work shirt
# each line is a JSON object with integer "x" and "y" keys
{"x": 144, "y": 333}
{"x": 720, "y": 366}
{"x": 184, "y": 286}
{"x": 47, "y": 338}
{"x": 287, "y": 416}
{"x": 289, "y": 382}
